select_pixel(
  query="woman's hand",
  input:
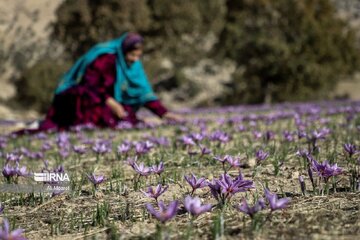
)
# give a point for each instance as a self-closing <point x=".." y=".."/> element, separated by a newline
<point x="173" y="117"/>
<point x="116" y="107"/>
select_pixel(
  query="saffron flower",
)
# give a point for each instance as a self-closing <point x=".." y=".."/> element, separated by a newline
<point x="158" y="169"/>
<point x="350" y="149"/>
<point x="205" y="150"/>
<point x="165" y="213"/>
<point x="220" y="136"/>
<point x="275" y="203"/>
<point x="13" y="157"/>
<point x="96" y="179"/>
<point x="188" y="141"/>
<point x="123" y="148"/>
<point x="6" y="234"/>
<point x="325" y="170"/>
<point x="155" y="193"/>
<point x="194" y="207"/>
<point x="101" y="147"/>
<point x="230" y="186"/>
<point x="195" y="183"/>
<point x="233" y="161"/>
<point x="141" y="169"/>
<point x="80" y="149"/>
<point x="261" y="156"/>
<point x="251" y="211"/>
<point x="225" y="187"/>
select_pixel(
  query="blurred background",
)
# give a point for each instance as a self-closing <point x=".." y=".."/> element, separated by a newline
<point x="197" y="53"/>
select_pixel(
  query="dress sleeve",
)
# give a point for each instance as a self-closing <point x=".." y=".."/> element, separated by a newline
<point x="156" y="107"/>
<point x="100" y="76"/>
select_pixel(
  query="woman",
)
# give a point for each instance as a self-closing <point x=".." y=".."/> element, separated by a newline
<point x="106" y="85"/>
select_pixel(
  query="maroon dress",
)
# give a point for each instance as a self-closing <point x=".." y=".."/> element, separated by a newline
<point x="86" y="102"/>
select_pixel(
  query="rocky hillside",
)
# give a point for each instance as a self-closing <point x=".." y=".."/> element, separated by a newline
<point x="24" y="37"/>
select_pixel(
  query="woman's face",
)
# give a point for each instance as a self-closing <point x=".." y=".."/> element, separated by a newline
<point x="133" y="55"/>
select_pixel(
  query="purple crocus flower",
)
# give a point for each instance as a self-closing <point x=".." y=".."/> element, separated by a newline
<point x="80" y="149"/>
<point x="165" y="213"/>
<point x="288" y="136"/>
<point x="220" y="136"/>
<point x="96" y="179"/>
<point x="123" y="148"/>
<point x="195" y="183"/>
<point x="21" y="171"/>
<point x="222" y="159"/>
<point x="46" y="146"/>
<point x="194" y="207"/>
<point x="155" y="193"/>
<point x="158" y="169"/>
<point x="261" y="156"/>
<point x="325" y="169"/>
<point x="350" y="149"/>
<point x="8" y="171"/>
<point x="13" y="157"/>
<point x="205" y="150"/>
<point x="141" y="169"/>
<point x="188" y="141"/>
<point x="233" y="161"/>
<point x="143" y="147"/>
<point x="62" y="140"/>
<point x="251" y="211"/>
<point x="275" y="203"/>
<point x="198" y="137"/>
<point x="6" y="234"/>
<point x="101" y="147"/>
<point x="231" y="186"/>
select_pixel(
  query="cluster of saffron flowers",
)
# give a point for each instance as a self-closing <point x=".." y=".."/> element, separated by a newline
<point x="192" y="205"/>
<point x="12" y="169"/>
<point x="142" y="170"/>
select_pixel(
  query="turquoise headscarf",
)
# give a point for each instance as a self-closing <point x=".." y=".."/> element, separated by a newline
<point x="131" y="86"/>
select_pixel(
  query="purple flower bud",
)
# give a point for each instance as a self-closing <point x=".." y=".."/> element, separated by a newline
<point x="194" y="207"/>
<point x="302" y="184"/>
<point x="261" y="156"/>
<point x="2" y="207"/>
<point x="350" y="149"/>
